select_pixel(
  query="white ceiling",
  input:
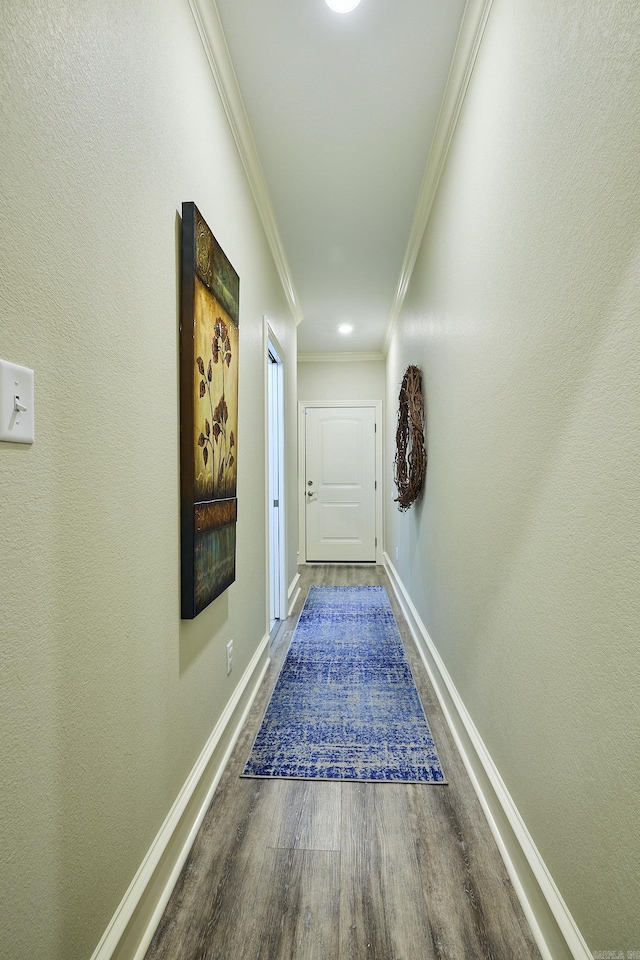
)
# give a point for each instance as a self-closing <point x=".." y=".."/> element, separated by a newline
<point x="342" y="108"/>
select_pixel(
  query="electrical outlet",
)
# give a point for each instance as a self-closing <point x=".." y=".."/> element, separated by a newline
<point x="396" y="554"/>
<point x="229" y="657"/>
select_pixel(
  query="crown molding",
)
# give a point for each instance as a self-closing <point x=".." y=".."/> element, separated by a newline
<point x="472" y="29"/>
<point x="207" y="19"/>
<point x="343" y="357"/>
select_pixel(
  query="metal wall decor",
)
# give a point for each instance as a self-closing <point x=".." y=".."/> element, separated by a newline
<point x="209" y="340"/>
<point x="410" y="464"/>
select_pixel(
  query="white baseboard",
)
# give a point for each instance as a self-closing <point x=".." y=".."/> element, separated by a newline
<point x="132" y="926"/>
<point x="292" y="594"/>
<point x="554" y="929"/>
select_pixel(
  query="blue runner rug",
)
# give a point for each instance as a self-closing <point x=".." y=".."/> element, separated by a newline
<point x="345" y="706"/>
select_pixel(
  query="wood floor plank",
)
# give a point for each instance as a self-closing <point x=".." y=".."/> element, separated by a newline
<point x="460" y="873"/>
<point x="309" y="815"/>
<point x="306" y="907"/>
<point x="220" y="879"/>
<point x="379" y="878"/>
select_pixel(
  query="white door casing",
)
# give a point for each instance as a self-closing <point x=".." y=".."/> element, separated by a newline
<point x="273" y="413"/>
<point x="340" y="483"/>
<point x="274" y="487"/>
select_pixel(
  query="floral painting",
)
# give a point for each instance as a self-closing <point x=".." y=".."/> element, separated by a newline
<point x="209" y="341"/>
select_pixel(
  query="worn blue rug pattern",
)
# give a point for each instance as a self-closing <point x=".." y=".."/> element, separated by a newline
<point x="345" y="706"/>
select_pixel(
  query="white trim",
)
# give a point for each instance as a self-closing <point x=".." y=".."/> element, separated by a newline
<point x="271" y="343"/>
<point x="302" y="532"/>
<point x="205" y="14"/>
<point x="554" y="929"/>
<point x="152" y="866"/>
<point x="293" y="585"/>
<point x="293" y="594"/>
<point x="343" y="357"/>
<point x="293" y="602"/>
<point x="265" y="407"/>
<point x="472" y="30"/>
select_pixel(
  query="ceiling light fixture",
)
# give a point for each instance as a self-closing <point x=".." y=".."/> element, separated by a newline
<point x="345" y="328"/>
<point x="342" y="6"/>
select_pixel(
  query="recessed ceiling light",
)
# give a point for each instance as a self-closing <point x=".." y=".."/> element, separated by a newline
<point x="345" y="328"/>
<point x="342" y="6"/>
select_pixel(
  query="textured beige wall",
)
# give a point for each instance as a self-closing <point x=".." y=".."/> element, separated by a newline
<point x="524" y="556"/>
<point x="344" y="380"/>
<point x="110" y="119"/>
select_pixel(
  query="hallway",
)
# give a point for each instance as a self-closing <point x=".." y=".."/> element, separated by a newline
<point x="514" y="288"/>
<point x="344" y="871"/>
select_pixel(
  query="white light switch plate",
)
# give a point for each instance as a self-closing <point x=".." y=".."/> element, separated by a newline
<point x="16" y="382"/>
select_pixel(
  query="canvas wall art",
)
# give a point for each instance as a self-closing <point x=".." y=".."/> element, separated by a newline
<point x="209" y="341"/>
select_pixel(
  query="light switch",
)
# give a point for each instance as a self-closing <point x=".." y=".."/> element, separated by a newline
<point x="16" y="403"/>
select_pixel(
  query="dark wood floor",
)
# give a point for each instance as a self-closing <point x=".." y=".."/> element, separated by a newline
<point x="293" y="870"/>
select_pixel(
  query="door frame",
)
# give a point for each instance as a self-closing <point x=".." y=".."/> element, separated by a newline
<point x="271" y="345"/>
<point x="302" y="438"/>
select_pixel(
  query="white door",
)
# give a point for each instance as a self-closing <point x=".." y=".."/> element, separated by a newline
<point x="340" y="498"/>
